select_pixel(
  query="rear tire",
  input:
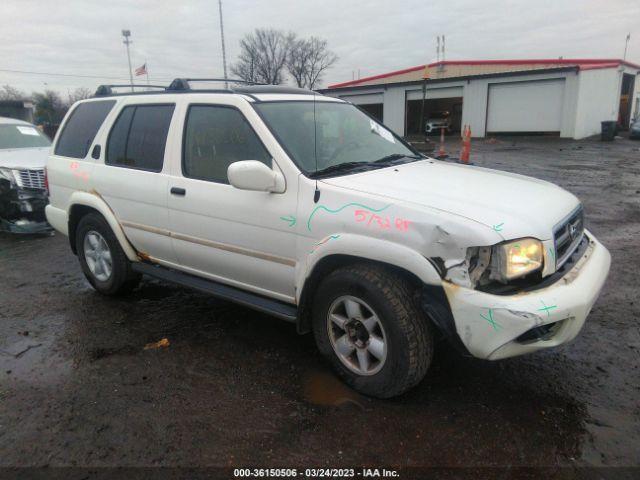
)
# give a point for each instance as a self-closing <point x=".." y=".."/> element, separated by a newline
<point x="102" y="259"/>
<point x="382" y="346"/>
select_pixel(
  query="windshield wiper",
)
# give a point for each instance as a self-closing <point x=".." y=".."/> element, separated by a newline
<point x="356" y="166"/>
<point x="340" y="167"/>
<point x="394" y="157"/>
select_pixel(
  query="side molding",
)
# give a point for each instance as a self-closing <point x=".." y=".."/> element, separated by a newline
<point x="94" y="200"/>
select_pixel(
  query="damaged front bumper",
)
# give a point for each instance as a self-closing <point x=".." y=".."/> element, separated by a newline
<point x="22" y="210"/>
<point x="500" y="326"/>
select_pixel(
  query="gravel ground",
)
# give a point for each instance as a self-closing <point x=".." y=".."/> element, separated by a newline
<point x="237" y="388"/>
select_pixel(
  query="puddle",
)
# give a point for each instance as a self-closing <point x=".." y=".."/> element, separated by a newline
<point x="324" y="389"/>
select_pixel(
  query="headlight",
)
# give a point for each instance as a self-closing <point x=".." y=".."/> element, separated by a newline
<point x="516" y="259"/>
<point x="7" y="175"/>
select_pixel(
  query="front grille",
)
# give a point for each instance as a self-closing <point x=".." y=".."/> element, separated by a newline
<point x="567" y="235"/>
<point x="33" y="179"/>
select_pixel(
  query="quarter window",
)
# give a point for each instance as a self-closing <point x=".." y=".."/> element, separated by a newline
<point x="139" y="136"/>
<point x="215" y="137"/>
<point x="81" y="128"/>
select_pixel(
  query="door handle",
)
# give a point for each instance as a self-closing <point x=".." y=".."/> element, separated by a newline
<point x="178" y="191"/>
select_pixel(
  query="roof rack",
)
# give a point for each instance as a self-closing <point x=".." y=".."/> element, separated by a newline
<point x="107" y="90"/>
<point x="183" y="85"/>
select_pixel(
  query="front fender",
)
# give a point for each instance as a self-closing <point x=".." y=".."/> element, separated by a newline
<point x="94" y="200"/>
<point x="368" y="248"/>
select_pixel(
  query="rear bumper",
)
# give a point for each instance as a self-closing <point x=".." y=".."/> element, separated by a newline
<point x="498" y="326"/>
<point x="58" y="219"/>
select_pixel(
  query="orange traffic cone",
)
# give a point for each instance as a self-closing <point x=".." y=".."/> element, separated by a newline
<point x="441" y="151"/>
<point x="463" y="135"/>
<point x="466" y="144"/>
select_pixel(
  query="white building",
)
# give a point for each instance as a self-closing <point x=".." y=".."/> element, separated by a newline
<point x="565" y="97"/>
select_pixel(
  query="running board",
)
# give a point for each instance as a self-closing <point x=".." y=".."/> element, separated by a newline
<point x="257" y="302"/>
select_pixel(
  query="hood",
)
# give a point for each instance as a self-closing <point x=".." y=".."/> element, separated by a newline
<point x="24" y="158"/>
<point x="513" y="205"/>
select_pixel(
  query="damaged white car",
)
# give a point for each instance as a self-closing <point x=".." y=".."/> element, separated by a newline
<point x="304" y="207"/>
<point x="23" y="154"/>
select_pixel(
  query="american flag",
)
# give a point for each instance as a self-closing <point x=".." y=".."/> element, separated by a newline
<point x="141" y="70"/>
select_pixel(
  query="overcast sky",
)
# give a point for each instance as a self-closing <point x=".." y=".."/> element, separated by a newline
<point x="182" y="38"/>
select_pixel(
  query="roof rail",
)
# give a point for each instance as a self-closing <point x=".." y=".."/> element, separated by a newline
<point x="184" y="84"/>
<point x="107" y="90"/>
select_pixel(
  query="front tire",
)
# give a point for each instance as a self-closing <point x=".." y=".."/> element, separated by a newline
<point x="102" y="259"/>
<point x="367" y="323"/>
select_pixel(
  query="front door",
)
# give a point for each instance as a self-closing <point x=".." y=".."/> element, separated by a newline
<point x="230" y="235"/>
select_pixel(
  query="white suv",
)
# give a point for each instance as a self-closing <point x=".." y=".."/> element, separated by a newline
<point x="302" y="206"/>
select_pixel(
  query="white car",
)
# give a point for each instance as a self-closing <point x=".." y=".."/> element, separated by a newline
<point x="23" y="154"/>
<point x="435" y="125"/>
<point x="304" y="207"/>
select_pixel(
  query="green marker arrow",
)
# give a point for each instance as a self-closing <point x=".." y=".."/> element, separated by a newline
<point x="291" y="219"/>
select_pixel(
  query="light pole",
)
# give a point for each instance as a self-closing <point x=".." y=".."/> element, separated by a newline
<point x="126" y="34"/>
<point x="224" y="53"/>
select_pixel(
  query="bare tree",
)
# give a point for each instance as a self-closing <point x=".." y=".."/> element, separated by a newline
<point x="307" y="60"/>
<point x="7" y="92"/>
<point x="78" y="94"/>
<point x="246" y="67"/>
<point x="298" y="61"/>
<point x="263" y="56"/>
<point x="320" y="59"/>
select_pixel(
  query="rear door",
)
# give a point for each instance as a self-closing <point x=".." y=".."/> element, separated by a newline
<point x="132" y="179"/>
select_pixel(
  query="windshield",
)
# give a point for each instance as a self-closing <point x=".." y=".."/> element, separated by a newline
<point x="22" y="136"/>
<point x="345" y="136"/>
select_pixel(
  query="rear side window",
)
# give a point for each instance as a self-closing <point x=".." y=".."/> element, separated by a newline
<point x="139" y="136"/>
<point x="81" y="128"/>
<point x="214" y="138"/>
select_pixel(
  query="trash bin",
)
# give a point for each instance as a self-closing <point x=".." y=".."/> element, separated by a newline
<point x="608" y="131"/>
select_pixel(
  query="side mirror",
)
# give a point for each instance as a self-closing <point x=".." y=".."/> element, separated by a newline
<point x="256" y="176"/>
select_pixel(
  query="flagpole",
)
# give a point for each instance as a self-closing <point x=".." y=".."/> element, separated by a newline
<point x="146" y="67"/>
<point x="626" y="44"/>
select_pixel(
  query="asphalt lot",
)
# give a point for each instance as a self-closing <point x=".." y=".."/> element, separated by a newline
<point x="237" y="388"/>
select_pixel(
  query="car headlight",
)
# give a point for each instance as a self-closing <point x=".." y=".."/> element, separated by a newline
<point x="7" y="175"/>
<point x="516" y="259"/>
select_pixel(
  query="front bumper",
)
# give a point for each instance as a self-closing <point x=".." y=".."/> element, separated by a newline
<point x="500" y="326"/>
<point x="22" y="211"/>
<point x="436" y="128"/>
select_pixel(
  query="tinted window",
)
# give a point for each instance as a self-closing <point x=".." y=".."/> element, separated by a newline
<point x="138" y="137"/>
<point x="81" y="128"/>
<point x="117" y="143"/>
<point x="215" y="137"/>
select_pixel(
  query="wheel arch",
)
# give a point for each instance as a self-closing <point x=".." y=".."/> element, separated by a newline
<point x="82" y="203"/>
<point x="331" y="262"/>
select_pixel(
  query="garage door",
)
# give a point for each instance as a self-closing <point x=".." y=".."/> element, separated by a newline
<point x="525" y="106"/>
<point x="446" y="92"/>
<point x="364" y="99"/>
